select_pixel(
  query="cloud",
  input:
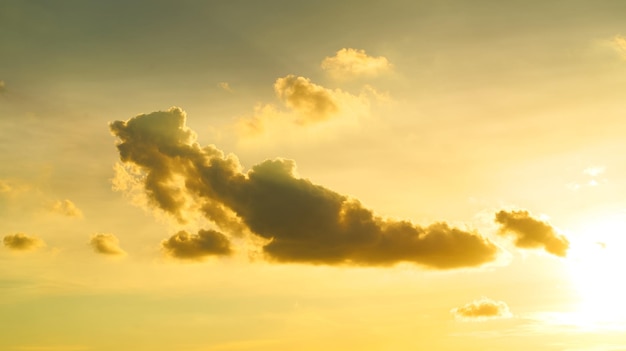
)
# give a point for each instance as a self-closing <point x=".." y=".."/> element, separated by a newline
<point x="531" y="233"/>
<point x="312" y="101"/>
<point x="619" y="44"/>
<point x="306" y="104"/>
<point x="3" y="87"/>
<point x="197" y="246"/>
<point x="106" y="244"/>
<point x="225" y="86"/>
<point x="482" y="309"/>
<point x="22" y="242"/>
<point x="349" y="63"/>
<point x="67" y="208"/>
<point x="5" y="187"/>
<point x="298" y="220"/>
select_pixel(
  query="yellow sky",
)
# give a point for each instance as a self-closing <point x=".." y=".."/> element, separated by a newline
<point x="396" y="175"/>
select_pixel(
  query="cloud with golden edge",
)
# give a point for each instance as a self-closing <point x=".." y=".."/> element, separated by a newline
<point x="482" y="309"/>
<point x="22" y="242"/>
<point x="106" y="244"/>
<point x="350" y="63"/>
<point x="312" y="101"/>
<point x="308" y="104"/>
<point x="299" y="221"/>
<point x="531" y="233"/>
<point x="206" y="243"/>
<point x="66" y="208"/>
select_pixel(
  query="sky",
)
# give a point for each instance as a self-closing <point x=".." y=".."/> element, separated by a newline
<point x="329" y="175"/>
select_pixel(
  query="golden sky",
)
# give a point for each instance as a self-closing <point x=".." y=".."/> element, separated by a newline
<point x="330" y="175"/>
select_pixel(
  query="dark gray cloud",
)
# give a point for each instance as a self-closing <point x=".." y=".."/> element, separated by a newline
<point x="531" y="233"/>
<point x="482" y="309"/>
<point x="22" y="242"/>
<point x="301" y="221"/>
<point x="197" y="246"/>
<point x="106" y="244"/>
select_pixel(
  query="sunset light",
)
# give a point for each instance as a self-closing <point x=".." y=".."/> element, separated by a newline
<point x="285" y="175"/>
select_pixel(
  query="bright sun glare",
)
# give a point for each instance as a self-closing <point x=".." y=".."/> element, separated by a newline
<point x="597" y="261"/>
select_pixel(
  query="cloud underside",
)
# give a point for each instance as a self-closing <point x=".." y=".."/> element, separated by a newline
<point x="531" y="233"/>
<point x="482" y="309"/>
<point x="206" y="243"/>
<point x="299" y="221"/>
<point x="350" y="63"/>
<point x="22" y="242"/>
<point x="106" y="244"/>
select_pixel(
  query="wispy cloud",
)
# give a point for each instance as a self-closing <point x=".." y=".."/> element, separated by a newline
<point x="66" y="208"/>
<point x="619" y="44"/>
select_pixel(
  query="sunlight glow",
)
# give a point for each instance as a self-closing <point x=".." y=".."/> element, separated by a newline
<point x="596" y="261"/>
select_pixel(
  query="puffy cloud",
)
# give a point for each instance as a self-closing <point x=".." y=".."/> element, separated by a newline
<point x="22" y="242"/>
<point x="348" y="63"/>
<point x="482" y="309"/>
<point x="66" y="208"/>
<point x="298" y="220"/>
<point x="305" y="103"/>
<point x="312" y="101"/>
<point x="197" y="246"/>
<point x="106" y="244"/>
<point x="531" y="233"/>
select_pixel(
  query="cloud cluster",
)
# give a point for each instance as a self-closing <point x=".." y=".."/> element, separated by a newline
<point x="197" y="246"/>
<point x="349" y="63"/>
<point x="298" y="220"/>
<point x="531" y="233"/>
<point x="67" y="208"/>
<point x="106" y="244"/>
<point x="482" y="309"/>
<point x="22" y="242"/>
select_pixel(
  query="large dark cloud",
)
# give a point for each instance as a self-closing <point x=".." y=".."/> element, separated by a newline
<point x="531" y="233"/>
<point x="301" y="221"/>
<point x="197" y="246"/>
